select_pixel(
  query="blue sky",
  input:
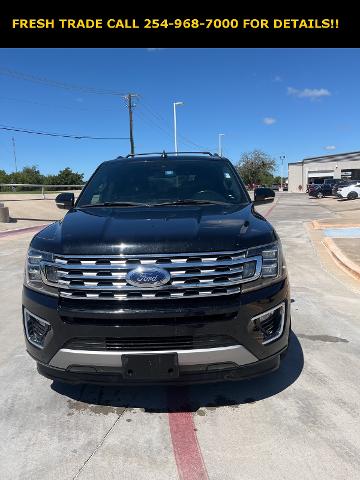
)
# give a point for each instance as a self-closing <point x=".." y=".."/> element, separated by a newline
<point x="292" y="102"/>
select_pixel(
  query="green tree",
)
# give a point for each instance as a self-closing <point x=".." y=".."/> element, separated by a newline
<point x="51" y="180"/>
<point x="68" y="177"/>
<point x="31" y="175"/>
<point x="26" y="175"/>
<point x="256" y="167"/>
<point x="3" y="177"/>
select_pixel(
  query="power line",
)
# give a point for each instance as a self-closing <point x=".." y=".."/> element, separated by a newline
<point x="75" y="137"/>
<point x="54" y="83"/>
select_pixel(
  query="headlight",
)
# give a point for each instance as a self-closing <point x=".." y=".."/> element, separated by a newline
<point x="273" y="265"/>
<point x="40" y="274"/>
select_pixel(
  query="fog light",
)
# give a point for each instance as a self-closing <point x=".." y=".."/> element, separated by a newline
<point x="269" y="326"/>
<point x="36" y="329"/>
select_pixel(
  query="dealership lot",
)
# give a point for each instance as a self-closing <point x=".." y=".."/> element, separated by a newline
<point x="299" y="422"/>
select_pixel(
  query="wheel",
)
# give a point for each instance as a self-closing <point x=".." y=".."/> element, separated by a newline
<point x="319" y="195"/>
<point x="352" y="196"/>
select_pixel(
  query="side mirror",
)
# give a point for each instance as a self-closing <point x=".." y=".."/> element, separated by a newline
<point x="263" y="195"/>
<point x="65" y="200"/>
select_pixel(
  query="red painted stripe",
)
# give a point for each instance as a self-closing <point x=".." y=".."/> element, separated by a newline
<point x="267" y="213"/>
<point x="18" y="231"/>
<point x="189" y="460"/>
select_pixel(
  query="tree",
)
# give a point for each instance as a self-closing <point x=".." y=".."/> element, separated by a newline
<point x="3" y="177"/>
<point x="68" y="177"/>
<point x="256" y="167"/>
<point x="26" y="175"/>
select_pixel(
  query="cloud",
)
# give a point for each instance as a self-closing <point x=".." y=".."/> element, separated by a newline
<point x="312" y="93"/>
<point x="269" y="120"/>
<point x="154" y="49"/>
<point x="330" y="147"/>
<point x="277" y="78"/>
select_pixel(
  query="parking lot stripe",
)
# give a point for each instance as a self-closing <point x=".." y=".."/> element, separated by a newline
<point x="18" y="231"/>
<point x="267" y="213"/>
<point x="189" y="460"/>
<point x="188" y="456"/>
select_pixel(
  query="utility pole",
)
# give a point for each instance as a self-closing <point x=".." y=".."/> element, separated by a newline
<point x="14" y="150"/>
<point x="129" y="101"/>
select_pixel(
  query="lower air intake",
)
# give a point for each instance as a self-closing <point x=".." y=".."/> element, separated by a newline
<point x="36" y="329"/>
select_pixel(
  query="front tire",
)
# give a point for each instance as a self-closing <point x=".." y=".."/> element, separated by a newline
<point x="352" y="196"/>
<point x="319" y="195"/>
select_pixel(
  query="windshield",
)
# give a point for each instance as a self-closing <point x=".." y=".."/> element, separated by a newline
<point x="163" y="181"/>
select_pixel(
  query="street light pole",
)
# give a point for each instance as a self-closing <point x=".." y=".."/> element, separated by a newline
<point x="220" y="146"/>
<point x="282" y="158"/>
<point x="175" y="131"/>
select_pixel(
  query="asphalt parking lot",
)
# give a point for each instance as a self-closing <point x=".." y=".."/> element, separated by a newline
<point x="301" y="422"/>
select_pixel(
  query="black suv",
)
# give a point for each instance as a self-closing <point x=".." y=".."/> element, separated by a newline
<point x="161" y="271"/>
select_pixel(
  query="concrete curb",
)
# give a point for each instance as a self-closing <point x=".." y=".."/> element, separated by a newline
<point x="345" y="263"/>
<point x="18" y="231"/>
<point x="320" y="226"/>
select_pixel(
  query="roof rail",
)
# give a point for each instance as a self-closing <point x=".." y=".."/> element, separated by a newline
<point x="165" y="154"/>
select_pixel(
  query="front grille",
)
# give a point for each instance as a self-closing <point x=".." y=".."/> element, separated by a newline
<point x="150" y="343"/>
<point x="191" y="275"/>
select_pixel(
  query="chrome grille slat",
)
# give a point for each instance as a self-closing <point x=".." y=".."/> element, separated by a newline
<point x="192" y="276"/>
<point x="116" y="276"/>
<point x="146" y="296"/>
<point x="124" y="287"/>
<point x="124" y="266"/>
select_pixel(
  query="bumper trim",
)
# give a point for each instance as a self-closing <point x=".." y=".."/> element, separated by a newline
<point x="237" y="354"/>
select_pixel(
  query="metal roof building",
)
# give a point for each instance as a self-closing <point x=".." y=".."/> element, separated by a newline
<point x="317" y="169"/>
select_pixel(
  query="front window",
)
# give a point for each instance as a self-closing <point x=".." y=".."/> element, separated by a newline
<point x="164" y="181"/>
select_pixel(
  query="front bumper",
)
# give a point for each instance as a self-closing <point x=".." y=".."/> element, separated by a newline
<point x="247" y="356"/>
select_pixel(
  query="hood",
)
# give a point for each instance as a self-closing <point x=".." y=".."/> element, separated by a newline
<point x="148" y="230"/>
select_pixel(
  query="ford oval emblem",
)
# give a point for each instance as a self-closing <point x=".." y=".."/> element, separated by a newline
<point x="148" y="277"/>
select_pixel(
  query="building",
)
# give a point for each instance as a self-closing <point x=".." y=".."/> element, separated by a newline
<point x="317" y="169"/>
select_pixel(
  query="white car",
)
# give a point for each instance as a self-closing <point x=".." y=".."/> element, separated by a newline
<point x="351" y="192"/>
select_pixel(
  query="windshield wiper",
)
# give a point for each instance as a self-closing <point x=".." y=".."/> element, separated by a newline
<point x="190" y="201"/>
<point x="114" y="204"/>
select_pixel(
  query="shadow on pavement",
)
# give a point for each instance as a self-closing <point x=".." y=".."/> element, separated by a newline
<point x="185" y="398"/>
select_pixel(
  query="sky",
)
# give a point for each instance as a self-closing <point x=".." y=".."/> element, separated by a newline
<point x="295" y="103"/>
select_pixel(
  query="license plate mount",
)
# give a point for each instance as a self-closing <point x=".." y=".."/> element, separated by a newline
<point x="150" y="366"/>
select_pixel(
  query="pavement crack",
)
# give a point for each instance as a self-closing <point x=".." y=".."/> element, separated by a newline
<point x="99" y="445"/>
